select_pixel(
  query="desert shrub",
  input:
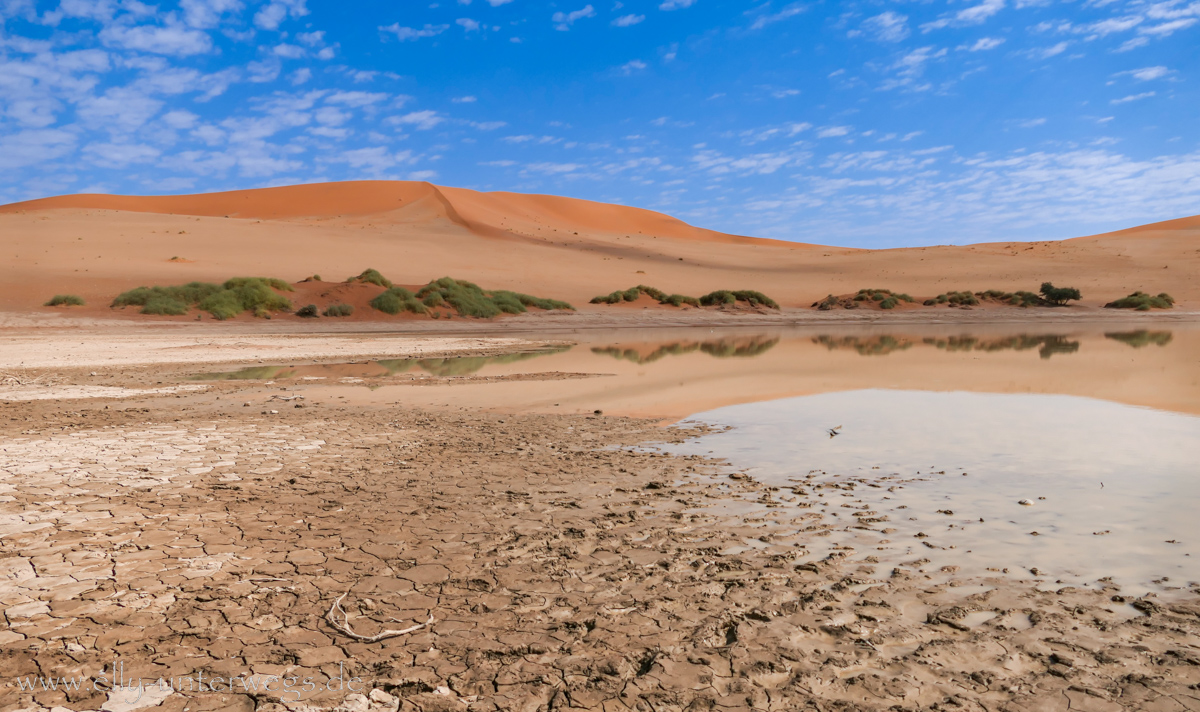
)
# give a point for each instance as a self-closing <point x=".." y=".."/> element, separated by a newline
<point x="338" y="310"/>
<point x="165" y="305"/>
<point x="65" y="300"/>
<point x="827" y="303"/>
<point x="308" y="312"/>
<point x="1017" y="299"/>
<point x="632" y="294"/>
<point x="253" y="294"/>
<point x="1143" y="302"/>
<point x="879" y="295"/>
<point x="223" y="301"/>
<point x="1059" y="296"/>
<point x="678" y="300"/>
<point x="254" y="282"/>
<point x="187" y="294"/>
<point x="889" y="303"/>
<point x="725" y="296"/>
<point x="955" y="298"/>
<point x="372" y="276"/>
<point x="469" y="299"/>
<point x="396" y="300"/>
<point x="433" y="299"/>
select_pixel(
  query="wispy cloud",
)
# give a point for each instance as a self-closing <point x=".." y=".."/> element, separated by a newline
<point x="563" y="20"/>
<point x="1133" y="97"/>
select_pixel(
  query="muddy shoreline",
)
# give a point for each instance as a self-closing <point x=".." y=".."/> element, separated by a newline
<point x="563" y="567"/>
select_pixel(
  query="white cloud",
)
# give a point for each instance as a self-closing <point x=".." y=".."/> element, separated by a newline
<point x="628" y="20"/>
<point x="34" y="146"/>
<point x="770" y="18"/>
<point x="1145" y="74"/>
<point x="887" y="27"/>
<point x="206" y="14"/>
<point x="554" y="168"/>
<point x="467" y="24"/>
<point x="288" y="51"/>
<point x="676" y="4"/>
<point x="974" y="15"/>
<point x="563" y="20"/>
<point x="1133" y="97"/>
<point x="1168" y="28"/>
<point x="119" y="155"/>
<point x="272" y="15"/>
<point x="632" y="66"/>
<point x="833" y="131"/>
<point x="983" y="44"/>
<point x="408" y="33"/>
<point x="422" y="120"/>
<point x="171" y="39"/>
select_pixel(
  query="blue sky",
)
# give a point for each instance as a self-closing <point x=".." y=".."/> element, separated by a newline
<point x="856" y="123"/>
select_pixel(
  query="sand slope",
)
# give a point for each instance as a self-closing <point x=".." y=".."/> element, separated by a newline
<point x="99" y="245"/>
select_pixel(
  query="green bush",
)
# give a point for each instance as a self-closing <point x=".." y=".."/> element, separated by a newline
<point x="827" y="303"/>
<point x="1143" y="302"/>
<point x="468" y="299"/>
<point x="164" y="305"/>
<point x="878" y="295"/>
<point x="955" y="298"/>
<point x="396" y="300"/>
<point x="726" y="296"/>
<point x="632" y="294"/>
<point x="338" y="310"/>
<point x="678" y="300"/>
<point x="372" y="276"/>
<point x="1059" y="296"/>
<point x="308" y="312"/>
<point x="222" y="301"/>
<point x="1017" y="299"/>
<point x="65" y="300"/>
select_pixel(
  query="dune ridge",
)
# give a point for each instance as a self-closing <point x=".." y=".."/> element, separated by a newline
<point x="496" y="214"/>
<point x="97" y="246"/>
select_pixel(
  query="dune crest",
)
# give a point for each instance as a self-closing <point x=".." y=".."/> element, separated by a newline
<point x="403" y="202"/>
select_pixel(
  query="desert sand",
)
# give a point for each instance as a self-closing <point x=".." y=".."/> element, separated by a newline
<point x="500" y="489"/>
<point x="97" y="246"/>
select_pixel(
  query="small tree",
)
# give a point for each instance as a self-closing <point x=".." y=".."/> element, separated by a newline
<point x="1059" y="296"/>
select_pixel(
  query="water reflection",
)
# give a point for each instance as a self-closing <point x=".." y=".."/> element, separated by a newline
<point x="1046" y="344"/>
<point x="1113" y="488"/>
<point x="882" y="345"/>
<point x="460" y="366"/>
<point x="253" y="373"/>
<point x="441" y="367"/>
<point x="1140" y="338"/>
<point x="866" y="345"/>
<point x="721" y="348"/>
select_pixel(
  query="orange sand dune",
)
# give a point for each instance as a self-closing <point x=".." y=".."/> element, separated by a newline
<point x="97" y="246"/>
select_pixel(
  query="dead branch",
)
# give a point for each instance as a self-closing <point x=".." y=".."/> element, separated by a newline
<point x="343" y="626"/>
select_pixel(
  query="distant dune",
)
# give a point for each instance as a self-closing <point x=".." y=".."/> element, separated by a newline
<point x="99" y="245"/>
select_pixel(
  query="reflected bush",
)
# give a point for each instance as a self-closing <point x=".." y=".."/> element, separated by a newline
<point x="1141" y="338"/>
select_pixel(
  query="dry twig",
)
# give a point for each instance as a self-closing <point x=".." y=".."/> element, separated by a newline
<point x="343" y="626"/>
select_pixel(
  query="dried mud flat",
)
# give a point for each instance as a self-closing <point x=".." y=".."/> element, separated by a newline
<point x="563" y="569"/>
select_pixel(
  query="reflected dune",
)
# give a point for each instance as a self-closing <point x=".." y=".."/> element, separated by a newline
<point x="670" y="375"/>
